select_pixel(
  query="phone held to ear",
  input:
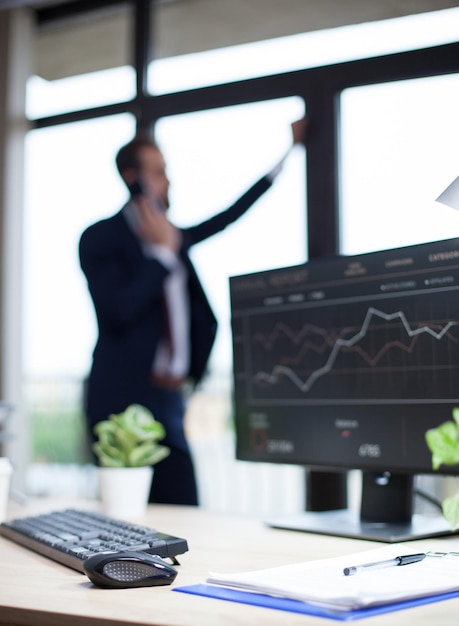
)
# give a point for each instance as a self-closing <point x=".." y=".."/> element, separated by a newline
<point x="135" y="189"/>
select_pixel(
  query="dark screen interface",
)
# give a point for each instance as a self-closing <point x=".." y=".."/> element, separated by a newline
<point x="346" y="362"/>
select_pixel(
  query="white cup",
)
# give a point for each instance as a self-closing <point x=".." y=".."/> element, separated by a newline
<point x="6" y="469"/>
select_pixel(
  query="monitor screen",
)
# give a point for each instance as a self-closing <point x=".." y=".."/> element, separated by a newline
<point x="344" y="363"/>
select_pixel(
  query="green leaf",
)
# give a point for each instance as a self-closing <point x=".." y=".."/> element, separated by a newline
<point x="443" y="443"/>
<point x="451" y="511"/>
<point x="139" y="423"/>
<point x="129" y="439"/>
<point x="148" y="454"/>
<point x="106" y="426"/>
<point x="108" y="457"/>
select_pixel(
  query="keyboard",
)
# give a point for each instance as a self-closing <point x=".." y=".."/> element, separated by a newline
<point x="71" y="536"/>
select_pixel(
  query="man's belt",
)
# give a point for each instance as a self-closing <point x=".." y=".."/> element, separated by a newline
<point x="167" y="382"/>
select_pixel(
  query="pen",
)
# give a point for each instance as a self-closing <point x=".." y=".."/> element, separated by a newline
<point x="398" y="560"/>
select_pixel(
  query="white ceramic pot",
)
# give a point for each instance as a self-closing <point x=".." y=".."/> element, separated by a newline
<point x="124" y="491"/>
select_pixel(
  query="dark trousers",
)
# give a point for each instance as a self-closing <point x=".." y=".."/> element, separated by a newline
<point x="174" y="480"/>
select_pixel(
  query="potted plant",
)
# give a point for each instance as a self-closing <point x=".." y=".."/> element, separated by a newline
<point x="127" y="448"/>
<point x="443" y="442"/>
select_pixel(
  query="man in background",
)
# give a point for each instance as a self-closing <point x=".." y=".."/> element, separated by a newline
<point x="155" y="325"/>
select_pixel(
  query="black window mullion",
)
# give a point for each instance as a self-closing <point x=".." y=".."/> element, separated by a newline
<point x="322" y="107"/>
<point x="142" y="47"/>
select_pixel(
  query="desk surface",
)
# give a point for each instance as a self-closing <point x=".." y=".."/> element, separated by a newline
<point x="36" y="591"/>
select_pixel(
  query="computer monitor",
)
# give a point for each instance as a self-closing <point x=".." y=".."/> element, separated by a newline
<point x="343" y="364"/>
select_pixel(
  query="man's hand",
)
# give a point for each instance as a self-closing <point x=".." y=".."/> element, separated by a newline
<point x="154" y="227"/>
<point x="299" y="130"/>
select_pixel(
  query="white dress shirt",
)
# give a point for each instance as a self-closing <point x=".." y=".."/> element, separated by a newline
<point x="173" y="355"/>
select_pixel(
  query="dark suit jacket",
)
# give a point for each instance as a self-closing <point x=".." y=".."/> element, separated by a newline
<point x="126" y="288"/>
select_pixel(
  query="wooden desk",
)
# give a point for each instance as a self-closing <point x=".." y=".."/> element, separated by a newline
<point x="36" y="591"/>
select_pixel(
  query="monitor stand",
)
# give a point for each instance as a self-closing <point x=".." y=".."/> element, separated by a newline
<point x="385" y="514"/>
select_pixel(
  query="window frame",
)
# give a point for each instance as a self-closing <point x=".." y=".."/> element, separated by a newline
<point x="319" y="87"/>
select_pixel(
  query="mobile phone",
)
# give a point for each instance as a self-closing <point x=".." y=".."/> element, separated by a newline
<point x="135" y="189"/>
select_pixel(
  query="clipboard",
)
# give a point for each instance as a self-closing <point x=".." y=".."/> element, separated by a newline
<point x="295" y="606"/>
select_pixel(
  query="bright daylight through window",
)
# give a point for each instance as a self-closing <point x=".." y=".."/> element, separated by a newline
<point x="398" y="151"/>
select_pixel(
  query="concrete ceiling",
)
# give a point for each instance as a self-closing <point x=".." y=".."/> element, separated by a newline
<point x="102" y="40"/>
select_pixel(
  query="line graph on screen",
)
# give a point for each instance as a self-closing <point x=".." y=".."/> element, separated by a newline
<point x="394" y="347"/>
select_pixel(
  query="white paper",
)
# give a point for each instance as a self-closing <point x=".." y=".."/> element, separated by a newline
<point x="450" y="196"/>
<point x="324" y="583"/>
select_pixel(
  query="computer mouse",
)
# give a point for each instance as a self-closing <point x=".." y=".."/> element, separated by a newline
<point x="120" y="570"/>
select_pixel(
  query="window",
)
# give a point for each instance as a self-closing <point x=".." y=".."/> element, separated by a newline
<point x="212" y="158"/>
<point x="213" y="154"/>
<point x="71" y="182"/>
<point x="399" y="151"/>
